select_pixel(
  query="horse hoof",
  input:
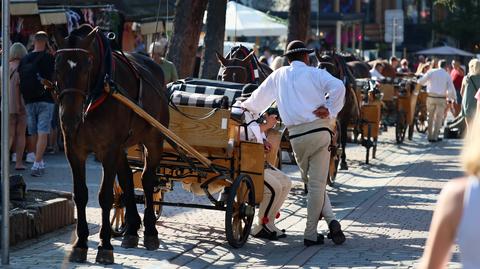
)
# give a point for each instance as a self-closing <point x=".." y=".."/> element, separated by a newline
<point x="151" y="242"/>
<point x="104" y="256"/>
<point x="343" y="166"/>
<point x="130" y="241"/>
<point x="78" y="255"/>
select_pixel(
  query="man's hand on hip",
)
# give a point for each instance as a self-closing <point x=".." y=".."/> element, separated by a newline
<point x="322" y="112"/>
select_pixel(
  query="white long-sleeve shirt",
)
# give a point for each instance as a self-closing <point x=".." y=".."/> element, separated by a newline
<point x="439" y="83"/>
<point x="375" y="74"/>
<point x="298" y="90"/>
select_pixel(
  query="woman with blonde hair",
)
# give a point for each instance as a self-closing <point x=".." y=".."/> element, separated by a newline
<point x="18" y="113"/>
<point x="470" y="86"/>
<point x="457" y="214"/>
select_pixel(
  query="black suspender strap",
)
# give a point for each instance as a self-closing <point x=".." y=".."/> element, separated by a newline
<point x="312" y="131"/>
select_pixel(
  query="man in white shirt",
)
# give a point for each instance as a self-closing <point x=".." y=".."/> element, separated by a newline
<point x="299" y="91"/>
<point x="376" y="71"/>
<point x="439" y="87"/>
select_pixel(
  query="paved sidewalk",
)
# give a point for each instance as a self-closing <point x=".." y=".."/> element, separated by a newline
<point x="385" y="209"/>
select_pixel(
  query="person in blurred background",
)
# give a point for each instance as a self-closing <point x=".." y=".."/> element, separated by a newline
<point x="157" y="52"/>
<point x="457" y="214"/>
<point x="16" y="105"/>
<point x="403" y="68"/>
<point x="457" y="75"/>
<point x="470" y="86"/>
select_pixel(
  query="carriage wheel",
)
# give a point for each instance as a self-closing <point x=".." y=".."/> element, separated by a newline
<point x="400" y="127"/>
<point x="240" y="211"/>
<point x="421" y="123"/>
<point x="117" y="220"/>
<point x="157" y="209"/>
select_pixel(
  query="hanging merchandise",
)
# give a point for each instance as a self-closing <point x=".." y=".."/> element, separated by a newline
<point x="110" y="20"/>
<point x="88" y="16"/>
<point x="73" y="20"/>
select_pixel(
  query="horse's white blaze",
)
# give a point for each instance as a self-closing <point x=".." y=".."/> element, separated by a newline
<point x="72" y="64"/>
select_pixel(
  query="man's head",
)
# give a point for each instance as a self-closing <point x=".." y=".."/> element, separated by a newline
<point x="378" y="66"/>
<point x="394" y="61"/>
<point x="404" y="63"/>
<point x="40" y="40"/>
<point x="442" y="64"/>
<point x="297" y="51"/>
<point x="157" y="49"/>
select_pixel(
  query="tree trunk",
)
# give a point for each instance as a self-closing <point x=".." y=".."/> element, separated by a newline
<point x="299" y="20"/>
<point x="214" y="37"/>
<point x="187" y="26"/>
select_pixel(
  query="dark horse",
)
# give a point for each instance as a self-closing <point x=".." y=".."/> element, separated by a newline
<point x="242" y="66"/>
<point x="83" y="64"/>
<point x="336" y="65"/>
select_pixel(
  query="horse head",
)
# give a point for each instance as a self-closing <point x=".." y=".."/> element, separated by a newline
<point x="77" y="68"/>
<point x="235" y="69"/>
<point x="328" y="60"/>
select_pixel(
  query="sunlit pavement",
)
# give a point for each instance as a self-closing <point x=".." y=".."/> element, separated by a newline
<point x="385" y="209"/>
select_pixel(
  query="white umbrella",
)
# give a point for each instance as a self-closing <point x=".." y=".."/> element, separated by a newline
<point x="244" y="21"/>
<point x="445" y="50"/>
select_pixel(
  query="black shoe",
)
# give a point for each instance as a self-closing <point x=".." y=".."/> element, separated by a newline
<point x="266" y="235"/>
<point x="336" y="233"/>
<point x="283" y="235"/>
<point x="432" y="140"/>
<point x="309" y="243"/>
<point x="439" y="140"/>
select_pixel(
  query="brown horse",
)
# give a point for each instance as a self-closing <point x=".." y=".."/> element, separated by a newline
<point x="242" y="66"/>
<point x="83" y="65"/>
<point x="336" y="66"/>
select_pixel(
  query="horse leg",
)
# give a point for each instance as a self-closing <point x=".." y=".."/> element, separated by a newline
<point x="133" y="221"/>
<point x="105" y="197"/>
<point x="80" y="191"/>
<point x="343" y="139"/>
<point x="153" y="156"/>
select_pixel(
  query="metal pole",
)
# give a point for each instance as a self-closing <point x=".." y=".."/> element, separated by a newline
<point x="338" y="42"/>
<point x="4" y="137"/>
<point x="394" y="36"/>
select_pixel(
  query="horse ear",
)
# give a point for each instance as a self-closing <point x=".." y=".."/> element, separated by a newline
<point x="87" y="41"/>
<point x="248" y="59"/>
<point x="221" y="59"/>
<point x="59" y="34"/>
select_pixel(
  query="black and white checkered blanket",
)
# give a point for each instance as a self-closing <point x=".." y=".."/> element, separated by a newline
<point x="199" y="100"/>
<point x="206" y="88"/>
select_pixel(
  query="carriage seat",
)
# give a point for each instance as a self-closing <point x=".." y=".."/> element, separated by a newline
<point x="199" y="100"/>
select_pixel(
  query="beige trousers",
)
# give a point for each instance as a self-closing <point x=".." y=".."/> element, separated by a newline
<point x="276" y="189"/>
<point x="312" y="155"/>
<point x="436" y="109"/>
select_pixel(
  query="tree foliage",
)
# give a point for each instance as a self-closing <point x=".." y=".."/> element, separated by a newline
<point x="462" y="22"/>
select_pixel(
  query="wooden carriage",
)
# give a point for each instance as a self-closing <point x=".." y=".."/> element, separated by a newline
<point x="369" y="102"/>
<point x="218" y="161"/>
<point x="400" y="99"/>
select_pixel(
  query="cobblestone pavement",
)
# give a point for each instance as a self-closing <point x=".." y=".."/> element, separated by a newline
<point x="385" y="209"/>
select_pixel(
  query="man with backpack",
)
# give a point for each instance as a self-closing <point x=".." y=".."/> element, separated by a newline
<point x="34" y="67"/>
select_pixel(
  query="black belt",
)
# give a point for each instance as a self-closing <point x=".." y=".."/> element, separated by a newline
<point x="443" y="97"/>
<point x="311" y="132"/>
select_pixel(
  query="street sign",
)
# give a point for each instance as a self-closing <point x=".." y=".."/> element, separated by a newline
<point x="394" y="25"/>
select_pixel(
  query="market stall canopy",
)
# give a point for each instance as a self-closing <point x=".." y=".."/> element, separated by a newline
<point x="445" y="50"/>
<point x="23" y="7"/>
<point x="137" y="10"/>
<point x="244" y="21"/>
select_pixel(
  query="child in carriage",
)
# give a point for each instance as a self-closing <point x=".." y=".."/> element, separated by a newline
<point x="277" y="184"/>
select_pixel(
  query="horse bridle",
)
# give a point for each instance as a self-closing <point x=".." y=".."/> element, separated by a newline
<point x="242" y="68"/>
<point x="83" y="94"/>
